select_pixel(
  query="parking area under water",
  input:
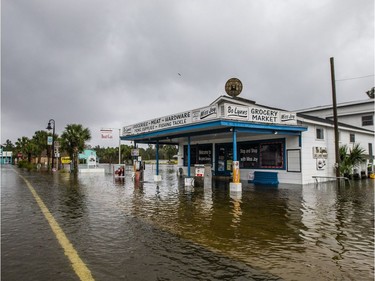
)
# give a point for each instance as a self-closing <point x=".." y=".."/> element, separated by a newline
<point x="148" y="231"/>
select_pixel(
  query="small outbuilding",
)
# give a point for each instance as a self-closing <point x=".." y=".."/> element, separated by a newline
<point x="6" y="157"/>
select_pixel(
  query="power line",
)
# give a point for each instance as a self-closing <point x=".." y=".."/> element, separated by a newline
<point x="352" y="78"/>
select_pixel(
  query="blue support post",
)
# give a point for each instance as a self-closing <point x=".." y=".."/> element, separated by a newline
<point x="157" y="177"/>
<point x="236" y="184"/>
<point x="189" y="181"/>
<point x="234" y="145"/>
<point x="134" y="157"/>
<point x="157" y="157"/>
<point x="188" y="171"/>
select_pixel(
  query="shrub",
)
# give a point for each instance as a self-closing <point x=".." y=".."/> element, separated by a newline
<point x="25" y="165"/>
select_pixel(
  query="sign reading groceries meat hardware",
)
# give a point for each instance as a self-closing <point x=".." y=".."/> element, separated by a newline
<point x="228" y="111"/>
<point x="160" y="123"/>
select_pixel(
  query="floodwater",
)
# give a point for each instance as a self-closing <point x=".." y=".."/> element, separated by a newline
<point x="128" y="231"/>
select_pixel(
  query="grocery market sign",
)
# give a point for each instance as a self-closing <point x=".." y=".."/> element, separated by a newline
<point x="227" y="111"/>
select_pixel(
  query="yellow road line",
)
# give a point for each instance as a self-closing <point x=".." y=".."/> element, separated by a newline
<point x="79" y="266"/>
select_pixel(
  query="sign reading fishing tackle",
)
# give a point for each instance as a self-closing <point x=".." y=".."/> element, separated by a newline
<point x="159" y="123"/>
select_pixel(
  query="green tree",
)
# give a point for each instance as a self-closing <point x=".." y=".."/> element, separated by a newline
<point x="169" y="151"/>
<point x="73" y="141"/>
<point x="40" y="141"/>
<point x="8" y="145"/>
<point x="26" y="147"/>
<point x="142" y="152"/>
<point x="99" y="153"/>
<point x="111" y="155"/>
<point x="150" y="152"/>
<point x="350" y="158"/>
<point x="125" y="153"/>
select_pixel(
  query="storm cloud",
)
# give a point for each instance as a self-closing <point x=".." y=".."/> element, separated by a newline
<point x="113" y="63"/>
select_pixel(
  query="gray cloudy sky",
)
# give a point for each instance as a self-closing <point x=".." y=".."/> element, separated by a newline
<point x="113" y="63"/>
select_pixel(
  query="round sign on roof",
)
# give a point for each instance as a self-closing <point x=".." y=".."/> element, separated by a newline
<point x="233" y="87"/>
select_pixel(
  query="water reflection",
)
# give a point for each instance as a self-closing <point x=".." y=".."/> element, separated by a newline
<point x="339" y="222"/>
<point x="292" y="231"/>
<point x="312" y="232"/>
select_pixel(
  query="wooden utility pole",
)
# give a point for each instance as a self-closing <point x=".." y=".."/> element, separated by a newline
<point x="335" y="117"/>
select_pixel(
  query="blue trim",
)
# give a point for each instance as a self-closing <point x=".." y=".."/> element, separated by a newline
<point x="255" y="127"/>
<point x="260" y="131"/>
<point x="273" y="127"/>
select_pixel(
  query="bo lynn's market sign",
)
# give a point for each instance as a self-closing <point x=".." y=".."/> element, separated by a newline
<point x="227" y="111"/>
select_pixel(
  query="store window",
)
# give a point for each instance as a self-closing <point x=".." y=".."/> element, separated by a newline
<point x="367" y="120"/>
<point x="199" y="154"/>
<point x="262" y="154"/>
<point x="272" y="155"/>
<point x="249" y="155"/>
<point x="319" y="133"/>
<point x="370" y="150"/>
<point x="352" y="138"/>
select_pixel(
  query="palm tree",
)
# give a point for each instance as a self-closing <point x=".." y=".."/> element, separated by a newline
<point x="344" y="166"/>
<point x="357" y="155"/>
<point x="8" y="145"/>
<point x="73" y="141"/>
<point x="350" y="158"/>
<point x="40" y="141"/>
<point x="26" y="147"/>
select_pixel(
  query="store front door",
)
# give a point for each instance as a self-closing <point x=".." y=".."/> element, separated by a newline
<point x="224" y="156"/>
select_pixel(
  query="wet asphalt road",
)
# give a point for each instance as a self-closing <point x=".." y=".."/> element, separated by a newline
<point x="113" y="244"/>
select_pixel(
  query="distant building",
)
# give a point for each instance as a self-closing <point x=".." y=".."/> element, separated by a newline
<point x="87" y="153"/>
<point x="5" y="157"/>
<point x="89" y="156"/>
<point x="356" y="113"/>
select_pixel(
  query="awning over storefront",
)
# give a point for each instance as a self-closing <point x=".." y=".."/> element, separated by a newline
<point x="211" y="128"/>
<point x="221" y="117"/>
<point x="226" y="118"/>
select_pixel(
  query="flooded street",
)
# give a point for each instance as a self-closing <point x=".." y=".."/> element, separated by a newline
<point x="124" y="231"/>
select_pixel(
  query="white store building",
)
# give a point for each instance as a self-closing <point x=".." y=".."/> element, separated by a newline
<point x="276" y="145"/>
